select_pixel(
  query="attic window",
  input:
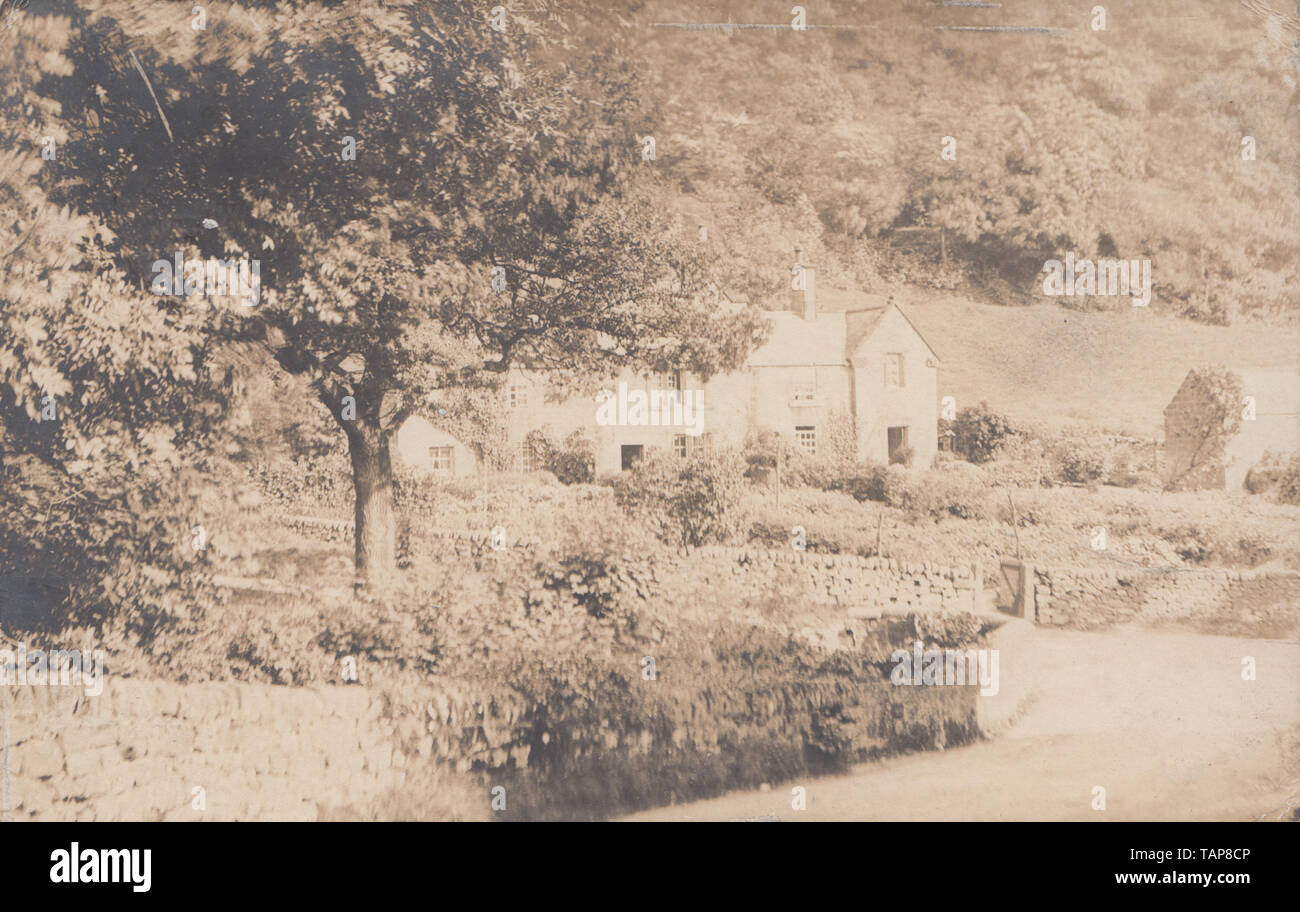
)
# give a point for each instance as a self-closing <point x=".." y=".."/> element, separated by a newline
<point x="894" y="371"/>
<point x="518" y="396"/>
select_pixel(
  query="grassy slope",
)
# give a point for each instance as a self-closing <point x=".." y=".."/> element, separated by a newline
<point x="1116" y="370"/>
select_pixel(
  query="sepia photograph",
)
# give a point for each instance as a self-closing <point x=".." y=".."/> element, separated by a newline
<point x="468" y="411"/>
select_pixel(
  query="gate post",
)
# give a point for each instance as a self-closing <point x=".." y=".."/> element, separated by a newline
<point x="1019" y="574"/>
<point x="1028" y="598"/>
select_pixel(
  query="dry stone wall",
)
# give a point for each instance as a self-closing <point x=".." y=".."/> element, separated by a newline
<point x="863" y="586"/>
<point x="1079" y="597"/>
<point x="140" y="748"/>
<point x="1090" y="598"/>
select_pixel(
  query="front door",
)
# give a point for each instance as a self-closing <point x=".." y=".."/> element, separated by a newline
<point x="631" y="454"/>
<point x="897" y="443"/>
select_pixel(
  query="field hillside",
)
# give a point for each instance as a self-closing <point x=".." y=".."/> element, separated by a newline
<point x="1114" y="369"/>
<point x="1100" y="141"/>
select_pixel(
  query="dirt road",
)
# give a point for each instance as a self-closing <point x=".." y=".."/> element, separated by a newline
<point x="1162" y="721"/>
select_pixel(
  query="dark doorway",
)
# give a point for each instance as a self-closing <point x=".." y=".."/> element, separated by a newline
<point x="897" y="444"/>
<point x="631" y="454"/>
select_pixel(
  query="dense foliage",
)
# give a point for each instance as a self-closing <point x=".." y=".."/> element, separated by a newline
<point x="571" y="460"/>
<point x="1100" y="142"/>
<point x="430" y="200"/>
<point x="979" y="431"/>
<point x="693" y="501"/>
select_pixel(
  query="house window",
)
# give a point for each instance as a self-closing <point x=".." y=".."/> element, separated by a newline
<point x="518" y="396"/>
<point x="442" y="460"/>
<point x="526" y="458"/>
<point x="668" y="380"/>
<point x="685" y="445"/>
<point x="804" y="387"/>
<point x="894" y="371"/>
<point x="806" y="437"/>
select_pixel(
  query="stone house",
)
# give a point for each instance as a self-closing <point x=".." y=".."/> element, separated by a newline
<point x="1270" y="424"/>
<point x="854" y="376"/>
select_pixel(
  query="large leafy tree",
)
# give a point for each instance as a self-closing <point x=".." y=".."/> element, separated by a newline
<point x="106" y="403"/>
<point x="497" y="210"/>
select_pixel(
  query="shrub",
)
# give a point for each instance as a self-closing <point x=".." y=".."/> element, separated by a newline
<point x="759" y="452"/>
<point x="865" y="482"/>
<point x="822" y="471"/>
<point x="733" y="707"/>
<point x="938" y="494"/>
<point x="1203" y="545"/>
<point x="1263" y="479"/>
<point x="595" y="560"/>
<point x="1267" y="474"/>
<point x="1288" y="484"/>
<point x="979" y="430"/>
<point x="691" y="501"/>
<point x="572" y="461"/>
<point x="1081" y="461"/>
<point x="1020" y="461"/>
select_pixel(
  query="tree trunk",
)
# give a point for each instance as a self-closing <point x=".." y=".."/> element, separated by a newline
<point x="376" y="525"/>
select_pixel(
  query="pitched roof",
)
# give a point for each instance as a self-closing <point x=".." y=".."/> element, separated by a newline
<point x="796" y="341"/>
<point x="861" y="324"/>
<point x="864" y="312"/>
<point x="836" y="299"/>
<point x="830" y="339"/>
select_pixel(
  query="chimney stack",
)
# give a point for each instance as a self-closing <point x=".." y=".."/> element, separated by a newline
<point x="803" y="288"/>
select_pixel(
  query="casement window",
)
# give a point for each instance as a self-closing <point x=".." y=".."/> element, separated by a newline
<point x="685" y="445"/>
<point x="894" y="378"/>
<point x="803" y="388"/>
<point x="442" y="460"/>
<point x="667" y="380"/>
<point x="518" y="396"/>
<point x="526" y="458"/>
<point x="806" y="437"/>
